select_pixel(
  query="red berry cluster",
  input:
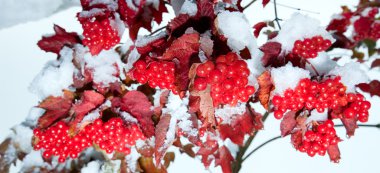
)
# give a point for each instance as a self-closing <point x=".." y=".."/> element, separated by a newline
<point x="228" y="78"/>
<point x="372" y="13"/>
<point x="110" y="136"/>
<point x="318" y="139"/>
<point x="330" y="94"/>
<point x="99" y="35"/>
<point x="156" y="73"/>
<point x="309" y="47"/>
<point x="375" y="31"/>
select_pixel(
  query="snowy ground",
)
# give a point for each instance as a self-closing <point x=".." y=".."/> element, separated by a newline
<point x="21" y="60"/>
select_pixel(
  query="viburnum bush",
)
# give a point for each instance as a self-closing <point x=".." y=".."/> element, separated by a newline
<point x="118" y="105"/>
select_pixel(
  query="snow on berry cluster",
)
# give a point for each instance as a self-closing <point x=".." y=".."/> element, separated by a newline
<point x="309" y="47"/>
<point x="228" y="78"/>
<point x="110" y="136"/>
<point x="157" y="74"/>
<point x="318" y="139"/>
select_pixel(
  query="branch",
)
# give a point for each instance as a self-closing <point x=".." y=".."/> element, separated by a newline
<point x="157" y="30"/>
<point x="276" y="16"/>
<point x="249" y="4"/>
<point x="312" y="66"/>
<point x="236" y="165"/>
<point x="295" y="8"/>
<point x="278" y="137"/>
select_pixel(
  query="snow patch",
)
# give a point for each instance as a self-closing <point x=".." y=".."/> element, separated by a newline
<point x="189" y="7"/>
<point x="132" y="158"/>
<point x="316" y="116"/>
<point x="322" y="64"/>
<point x="351" y="75"/>
<point x="132" y="58"/>
<point x="228" y="112"/>
<point x="22" y="137"/>
<point x="91" y="167"/>
<point x="287" y="77"/>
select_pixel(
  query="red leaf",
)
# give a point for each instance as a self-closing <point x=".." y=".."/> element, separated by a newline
<point x="373" y="88"/>
<point x="296" y="139"/>
<point x="334" y="153"/>
<point x="265" y="87"/>
<point x="138" y="105"/>
<point x="375" y="63"/>
<point x="239" y="127"/>
<point x="206" y="149"/>
<point x="155" y="42"/>
<point x="351" y="125"/>
<point x="89" y="101"/>
<point x="56" y="108"/>
<point x="182" y="49"/>
<point x="178" y="22"/>
<point x="160" y="137"/>
<point x="224" y="160"/>
<point x="265" y="2"/>
<point x="258" y="27"/>
<point x="288" y="123"/>
<point x="271" y="52"/>
<point x="56" y="42"/>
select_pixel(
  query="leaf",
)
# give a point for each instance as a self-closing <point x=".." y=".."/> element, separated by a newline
<point x="358" y="55"/>
<point x="224" y="160"/>
<point x="154" y="43"/>
<point x="271" y="52"/>
<point x="182" y="49"/>
<point x="138" y="105"/>
<point x="258" y="27"/>
<point x="206" y="149"/>
<point x="296" y="139"/>
<point x="265" y="2"/>
<point x="375" y="63"/>
<point x="56" y="108"/>
<point x="89" y="101"/>
<point x="160" y="137"/>
<point x="168" y="158"/>
<point x="55" y="43"/>
<point x="288" y="123"/>
<point x="206" y="45"/>
<point x="265" y="87"/>
<point x="334" y="153"/>
<point x="371" y="46"/>
<point x="373" y="88"/>
<point x="350" y="124"/>
<point x="188" y="149"/>
<point x="147" y="165"/>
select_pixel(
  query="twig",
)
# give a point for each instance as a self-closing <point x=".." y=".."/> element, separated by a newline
<point x="249" y="4"/>
<point x="295" y="8"/>
<point x="276" y="16"/>
<point x="312" y="66"/>
<point x="278" y="137"/>
<point x="236" y="166"/>
<point x="157" y="30"/>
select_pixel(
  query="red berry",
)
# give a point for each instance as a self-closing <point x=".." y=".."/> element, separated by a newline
<point x="200" y="84"/>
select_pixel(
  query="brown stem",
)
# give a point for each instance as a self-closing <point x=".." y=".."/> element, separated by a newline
<point x="236" y="165"/>
<point x="157" y="30"/>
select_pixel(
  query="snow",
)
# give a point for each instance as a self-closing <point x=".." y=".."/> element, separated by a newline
<point x="177" y="4"/>
<point x="287" y="77"/>
<point x="350" y="74"/>
<point x="118" y="24"/>
<point x="316" y="116"/>
<point x="256" y="68"/>
<point x="34" y="160"/>
<point x="34" y="114"/>
<point x="132" y="58"/>
<point x="103" y="66"/>
<point x="55" y="76"/>
<point x="128" y="117"/>
<point x="235" y="27"/>
<point x="91" y="167"/>
<point x="232" y="147"/>
<point x="132" y="158"/>
<point x="365" y="12"/>
<point x="322" y="63"/>
<point x="189" y="7"/>
<point x="22" y="138"/>
<point x="228" y="112"/>
<point x="93" y="12"/>
<point x="157" y="97"/>
<point x="146" y="39"/>
<point x="299" y="27"/>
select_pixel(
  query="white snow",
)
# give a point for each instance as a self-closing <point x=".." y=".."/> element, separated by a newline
<point x="146" y="39"/>
<point x="132" y="58"/>
<point x="299" y="27"/>
<point x="128" y="117"/>
<point x="103" y="66"/>
<point x="55" y="76"/>
<point x="232" y="147"/>
<point x="132" y="158"/>
<point x="316" y="116"/>
<point x="365" y="12"/>
<point x="350" y="74"/>
<point x="235" y="27"/>
<point x="189" y="7"/>
<point x="228" y="112"/>
<point x="287" y="77"/>
<point x="34" y="160"/>
<point x="91" y="167"/>
<point x="22" y="138"/>
<point x="157" y="97"/>
<point x="256" y="68"/>
<point x="34" y="114"/>
<point x="322" y="63"/>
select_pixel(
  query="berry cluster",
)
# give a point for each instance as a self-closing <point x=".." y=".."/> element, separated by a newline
<point x="110" y="136"/>
<point x="330" y="94"/>
<point x="309" y="47"/>
<point x="228" y="78"/>
<point x="318" y="139"/>
<point x="99" y="35"/>
<point x="156" y="73"/>
<point x="372" y="12"/>
<point x="375" y="31"/>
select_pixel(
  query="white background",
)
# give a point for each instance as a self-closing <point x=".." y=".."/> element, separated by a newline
<point x="21" y="60"/>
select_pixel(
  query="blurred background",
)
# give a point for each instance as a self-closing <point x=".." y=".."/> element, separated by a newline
<point x="22" y="23"/>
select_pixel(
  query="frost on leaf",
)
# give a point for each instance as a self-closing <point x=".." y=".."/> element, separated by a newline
<point x="56" y="108"/>
<point x="224" y="159"/>
<point x="138" y="105"/>
<point x="55" y="43"/>
<point x="373" y="88"/>
<point x="162" y="129"/>
<point x="288" y="123"/>
<point x="265" y="88"/>
<point x="334" y="153"/>
<point x="89" y="101"/>
<point x="182" y="49"/>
